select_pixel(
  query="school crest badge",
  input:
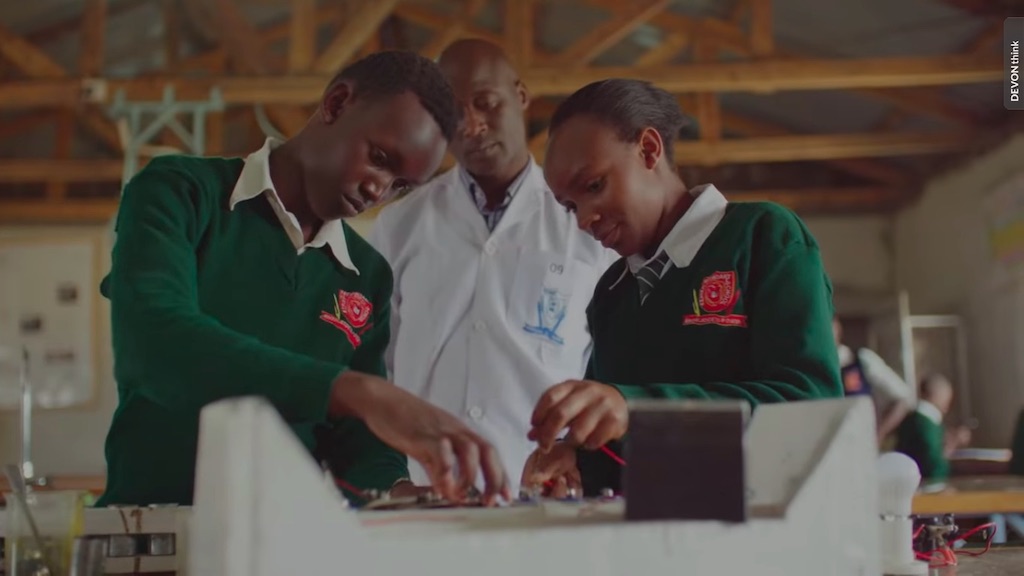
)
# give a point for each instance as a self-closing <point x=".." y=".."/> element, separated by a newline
<point x="351" y="315"/>
<point x="716" y="301"/>
<point x="718" y="292"/>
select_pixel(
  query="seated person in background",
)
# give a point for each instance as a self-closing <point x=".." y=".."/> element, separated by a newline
<point x="864" y="372"/>
<point x="710" y="300"/>
<point x="922" y="436"/>
<point x="235" y="277"/>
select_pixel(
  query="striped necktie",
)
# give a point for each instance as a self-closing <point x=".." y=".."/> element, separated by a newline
<point x="649" y="275"/>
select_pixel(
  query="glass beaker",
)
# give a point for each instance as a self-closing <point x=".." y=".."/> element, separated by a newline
<point x="59" y="517"/>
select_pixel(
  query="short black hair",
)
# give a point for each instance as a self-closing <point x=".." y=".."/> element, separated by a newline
<point x="628" y="106"/>
<point x="393" y="72"/>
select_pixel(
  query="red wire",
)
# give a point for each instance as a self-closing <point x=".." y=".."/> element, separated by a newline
<point x="975" y="530"/>
<point x="613" y="455"/>
<point x="350" y="488"/>
<point x="948" y="556"/>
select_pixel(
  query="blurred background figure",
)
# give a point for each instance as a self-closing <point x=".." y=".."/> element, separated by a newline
<point x="865" y="372"/>
<point x="922" y="435"/>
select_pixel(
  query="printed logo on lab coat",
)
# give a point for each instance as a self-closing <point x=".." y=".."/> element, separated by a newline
<point x="551" y="309"/>
<point x="546" y="285"/>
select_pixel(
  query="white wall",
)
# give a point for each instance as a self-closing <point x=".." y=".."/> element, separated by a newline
<point x="68" y="441"/>
<point x="944" y="262"/>
<point x="856" y="251"/>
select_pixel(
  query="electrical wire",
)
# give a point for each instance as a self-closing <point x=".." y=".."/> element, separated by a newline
<point x="947" y="556"/>
<point x="613" y="455"/>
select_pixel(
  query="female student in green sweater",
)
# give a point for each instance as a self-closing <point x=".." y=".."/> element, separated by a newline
<point x="234" y="277"/>
<point x="711" y="299"/>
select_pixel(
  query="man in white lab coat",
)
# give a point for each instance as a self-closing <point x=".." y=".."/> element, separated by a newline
<point x="492" y="276"/>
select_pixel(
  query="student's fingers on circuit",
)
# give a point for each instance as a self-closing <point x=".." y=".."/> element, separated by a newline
<point x="559" y="417"/>
<point x="550" y="398"/>
<point x="467" y="454"/>
<point x="583" y="425"/>
<point x="441" y="467"/>
<point x="607" y="429"/>
<point x="495" y="479"/>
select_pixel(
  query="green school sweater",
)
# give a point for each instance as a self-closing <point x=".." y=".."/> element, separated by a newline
<point x="750" y="318"/>
<point x="923" y="440"/>
<point x="209" y="303"/>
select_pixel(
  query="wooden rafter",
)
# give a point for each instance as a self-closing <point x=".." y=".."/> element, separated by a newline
<point x="302" y="36"/>
<point x="762" y="36"/>
<point x="35" y="63"/>
<point x="708" y="106"/>
<point x="457" y="28"/>
<point x="247" y="52"/>
<point x="842" y="200"/>
<point x="670" y="46"/>
<point x="819" y="147"/>
<point x="361" y="24"/>
<point x="30" y="170"/>
<point x="25" y="122"/>
<point x="94" y="31"/>
<point x="518" y="30"/>
<point x="733" y="39"/>
<point x="286" y="81"/>
<point x="756" y="149"/>
<point x="817" y="200"/>
<point x="862" y="167"/>
<point x="781" y="74"/>
<point x="621" y="22"/>
<point x="762" y="76"/>
<point x="738" y="9"/>
<point x="172" y="35"/>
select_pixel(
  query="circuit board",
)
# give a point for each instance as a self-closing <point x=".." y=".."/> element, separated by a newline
<point x="431" y="501"/>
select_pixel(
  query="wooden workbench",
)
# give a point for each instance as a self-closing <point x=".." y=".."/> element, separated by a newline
<point x="975" y="495"/>
<point x="92" y="484"/>
<point x="968" y="495"/>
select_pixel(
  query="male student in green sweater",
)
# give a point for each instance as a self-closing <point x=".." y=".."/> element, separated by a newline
<point x="235" y="277"/>
<point x="711" y="299"/>
<point x="922" y="436"/>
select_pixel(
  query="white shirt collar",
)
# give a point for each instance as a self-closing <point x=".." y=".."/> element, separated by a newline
<point x="255" y="181"/>
<point x="929" y="411"/>
<point x="688" y="234"/>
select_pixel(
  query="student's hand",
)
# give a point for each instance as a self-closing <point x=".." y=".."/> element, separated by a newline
<point x="429" y="435"/>
<point x="956" y="439"/>
<point x="555" y="470"/>
<point x="962" y="436"/>
<point x="406" y="489"/>
<point x="595" y="414"/>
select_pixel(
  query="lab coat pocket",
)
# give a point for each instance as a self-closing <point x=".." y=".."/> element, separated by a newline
<point x="545" y="306"/>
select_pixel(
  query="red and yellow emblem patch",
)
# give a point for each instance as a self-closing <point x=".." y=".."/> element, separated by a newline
<point x="716" y="301"/>
<point x="351" y="313"/>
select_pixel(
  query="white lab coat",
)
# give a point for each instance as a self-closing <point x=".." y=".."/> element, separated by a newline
<point x="484" y="322"/>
